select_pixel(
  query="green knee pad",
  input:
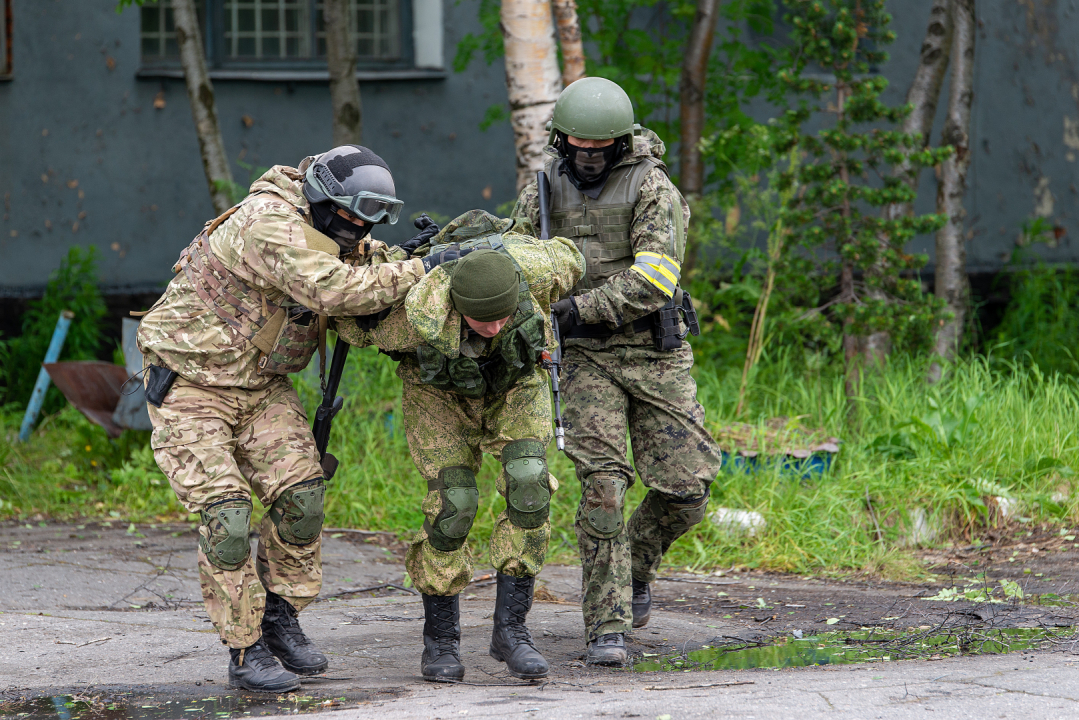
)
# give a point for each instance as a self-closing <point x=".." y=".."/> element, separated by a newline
<point x="606" y="494"/>
<point x="528" y="494"/>
<point x="460" y="501"/>
<point x="229" y="523"/>
<point x="298" y="512"/>
<point x="680" y="515"/>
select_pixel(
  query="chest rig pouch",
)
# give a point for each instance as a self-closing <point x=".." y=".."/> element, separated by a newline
<point x="514" y="357"/>
<point x="599" y="228"/>
<point x="286" y="334"/>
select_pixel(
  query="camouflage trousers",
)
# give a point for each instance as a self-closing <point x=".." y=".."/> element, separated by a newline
<point x="446" y="430"/>
<point x="652" y="397"/>
<point x="219" y="443"/>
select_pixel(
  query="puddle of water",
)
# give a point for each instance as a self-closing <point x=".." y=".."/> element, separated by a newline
<point x="857" y="647"/>
<point x="127" y="707"/>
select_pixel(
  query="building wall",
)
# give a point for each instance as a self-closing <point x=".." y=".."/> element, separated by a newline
<point x="87" y="159"/>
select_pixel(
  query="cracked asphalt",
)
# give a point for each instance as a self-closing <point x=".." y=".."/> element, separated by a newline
<point x="99" y="611"/>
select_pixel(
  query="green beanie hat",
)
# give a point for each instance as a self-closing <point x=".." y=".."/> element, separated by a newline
<point x="485" y="286"/>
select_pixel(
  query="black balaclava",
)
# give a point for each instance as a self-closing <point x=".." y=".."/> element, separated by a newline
<point x="345" y="233"/>
<point x="589" y="168"/>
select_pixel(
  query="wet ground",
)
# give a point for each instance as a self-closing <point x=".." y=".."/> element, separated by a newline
<point x="103" y="620"/>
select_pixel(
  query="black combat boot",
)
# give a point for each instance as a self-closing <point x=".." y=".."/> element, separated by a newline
<point x="255" y="668"/>
<point x="441" y="660"/>
<point x="609" y="649"/>
<point x="283" y="636"/>
<point x="511" y="642"/>
<point x="642" y="603"/>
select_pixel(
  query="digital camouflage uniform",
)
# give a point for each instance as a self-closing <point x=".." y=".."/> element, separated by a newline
<point x="448" y="431"/>
<point x="621" y="385"/>
<point x="232" y="425"/>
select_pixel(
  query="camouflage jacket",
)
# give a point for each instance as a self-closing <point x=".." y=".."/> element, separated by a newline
<point x="627" y="295"/>
<point x="427" y="317"/>
<point x="264" y="245"/>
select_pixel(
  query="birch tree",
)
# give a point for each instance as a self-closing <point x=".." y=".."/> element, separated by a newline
<point x="200" y="94"/>
<point x="533" y="81"/>
<point x="569" y="38"/>
<point x="922" y="97"/>
<point x="694" y="75"/>
<point x="341" y="61"/>
<point x="951" y="279"/>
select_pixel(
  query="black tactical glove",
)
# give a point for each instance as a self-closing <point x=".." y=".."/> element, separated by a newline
<point x="566" y="315"/>
<point x="428" y="229"/>
<point x="453" y="252"/>
<point x="370" y="322"/>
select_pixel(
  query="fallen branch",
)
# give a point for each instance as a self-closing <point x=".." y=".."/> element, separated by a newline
<point x="695" y="687"/>
<point x="353" y="591"/>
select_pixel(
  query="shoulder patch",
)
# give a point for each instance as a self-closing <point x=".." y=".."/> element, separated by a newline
<point x="317" y="241"/>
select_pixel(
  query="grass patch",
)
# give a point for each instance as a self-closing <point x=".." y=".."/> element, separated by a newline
<point x="944" y="451"/>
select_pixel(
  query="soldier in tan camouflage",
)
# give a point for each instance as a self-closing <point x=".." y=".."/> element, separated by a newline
<point x="469" y="337"/>
<point x="627" y="370"/>
<point x="248" y="306"/>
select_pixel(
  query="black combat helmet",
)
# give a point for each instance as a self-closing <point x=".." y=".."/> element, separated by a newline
<point x="352" y="178"/>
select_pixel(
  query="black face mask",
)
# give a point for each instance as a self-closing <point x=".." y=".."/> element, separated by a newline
<point x="343" y="232"/>
<point x="589" y="168"/>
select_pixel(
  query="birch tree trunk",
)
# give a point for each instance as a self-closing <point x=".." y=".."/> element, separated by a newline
<point x="200" y="93"/>
<point x="341" y="60"/>
<point x="923" y="94"/>
<point x="569" y="38"/>
<point x="694" y="74"/>
<point x="952" y="283"/>
<point x="532" y="79"/>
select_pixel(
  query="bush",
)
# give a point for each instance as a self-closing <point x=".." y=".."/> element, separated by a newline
<point x="73" y="286"/>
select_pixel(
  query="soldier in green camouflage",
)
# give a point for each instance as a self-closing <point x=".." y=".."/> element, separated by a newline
<point x="469" y="337"/>
<point x="626" y="369"/>
<point x="248" y="306"/>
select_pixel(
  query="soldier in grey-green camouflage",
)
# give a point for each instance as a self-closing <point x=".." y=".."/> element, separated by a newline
<point x="621" y="385"/>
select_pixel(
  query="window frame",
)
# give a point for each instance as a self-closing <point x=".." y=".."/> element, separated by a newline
<point x="212" y="16"/>
<point x="7" y="71"/>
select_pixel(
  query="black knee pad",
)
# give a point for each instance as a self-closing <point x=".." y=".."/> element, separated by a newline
<point x="298" y="512"/>
<point x="528" y="494"/>
<point x="460" y="502"/>
<point x="229" y="525"/>
<point x="605" y="493"/>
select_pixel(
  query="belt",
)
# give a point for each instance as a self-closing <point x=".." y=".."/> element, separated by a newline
<point x="601" y="331"/>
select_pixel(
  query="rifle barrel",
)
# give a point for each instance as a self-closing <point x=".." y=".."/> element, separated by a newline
<point x="543" y="187"/>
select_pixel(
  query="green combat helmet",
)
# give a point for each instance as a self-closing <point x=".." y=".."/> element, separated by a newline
<point x="593" y="109"/>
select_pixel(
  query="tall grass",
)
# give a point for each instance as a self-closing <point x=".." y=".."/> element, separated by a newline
<point x="947" y="450"/>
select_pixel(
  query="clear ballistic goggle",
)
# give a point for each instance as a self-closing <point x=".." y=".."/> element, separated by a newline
<point x="368" y="206"/>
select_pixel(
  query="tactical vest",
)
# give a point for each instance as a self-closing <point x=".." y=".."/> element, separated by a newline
<point x="516" y="356"/>
<point x="286" y="335"/>
<point x="599" y="228"/>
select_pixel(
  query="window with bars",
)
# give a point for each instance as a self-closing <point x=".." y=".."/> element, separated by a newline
<point x="281" y="32"/>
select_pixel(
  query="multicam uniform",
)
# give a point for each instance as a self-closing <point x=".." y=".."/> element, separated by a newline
<point x="632" y="237"/>
<point x="463" y="397"/>
<point x="241" y="313"/>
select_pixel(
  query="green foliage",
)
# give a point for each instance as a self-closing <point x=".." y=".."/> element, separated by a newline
<point x="73" y="286"/>
<point x="846" y="178"/>
<point x="1041" y="323"/>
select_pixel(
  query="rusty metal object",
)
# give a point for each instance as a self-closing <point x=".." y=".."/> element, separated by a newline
<point x="93" y="387"/>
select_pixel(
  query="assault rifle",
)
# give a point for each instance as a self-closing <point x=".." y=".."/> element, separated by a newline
<point x="551" y="362"/>
<point x="330" y="406"/>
